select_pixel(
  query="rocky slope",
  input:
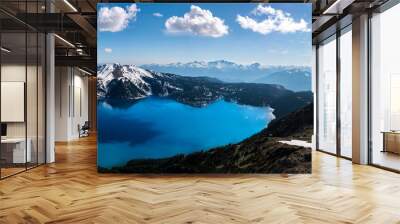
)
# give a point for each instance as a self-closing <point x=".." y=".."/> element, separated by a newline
<point x="296" y="125"/>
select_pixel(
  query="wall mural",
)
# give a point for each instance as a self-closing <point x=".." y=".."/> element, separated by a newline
<point x="204" y="88"/>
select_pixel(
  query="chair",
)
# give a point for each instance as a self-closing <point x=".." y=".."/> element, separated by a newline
<point x="84" y="130"/>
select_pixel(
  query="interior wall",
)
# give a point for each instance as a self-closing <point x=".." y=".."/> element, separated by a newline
<point x="15" y="73"/>
<point x="33" y="126"/>
<point x="61" y="103"/>
<point x="80" y="109"/>
<point x="71" y="102"/>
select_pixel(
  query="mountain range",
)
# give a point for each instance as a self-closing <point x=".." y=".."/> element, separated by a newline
<point x="296" y="78"/>
<point x="130" y="83"/>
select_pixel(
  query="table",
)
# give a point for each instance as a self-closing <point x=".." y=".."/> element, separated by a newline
<point x="391" y="141"/>
<point x="15" y="148"/>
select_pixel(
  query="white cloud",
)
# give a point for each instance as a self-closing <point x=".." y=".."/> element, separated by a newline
<point x="260" y="10"/>
<point x="197" y="21"/>
<point x="157" y="14"/>
<point x="107" y="50"/>
<point x="274" y="51"/>
<point x="276" y="21"/>
<point x="116" y="19"/>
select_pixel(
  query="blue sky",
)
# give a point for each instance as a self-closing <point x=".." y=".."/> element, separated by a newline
<point x="139" y="34"/>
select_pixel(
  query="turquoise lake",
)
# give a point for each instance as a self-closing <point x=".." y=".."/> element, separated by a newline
<point x="160" y="127"/>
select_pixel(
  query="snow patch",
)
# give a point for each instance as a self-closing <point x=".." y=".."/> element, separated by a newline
<point x="297" y="143"/>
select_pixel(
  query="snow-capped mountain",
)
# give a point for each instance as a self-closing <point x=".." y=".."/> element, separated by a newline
<point x="297" y="79"/>
<point x="219" y="64"/>
<point x="232" y="72"/>
<point x="130" y="83"/>
<point x="132" y="74"/>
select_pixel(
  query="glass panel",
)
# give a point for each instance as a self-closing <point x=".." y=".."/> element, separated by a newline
<point x="31" y="100"/>
<point x="385" y="93"/>
<point x="346" y="94"/>
<point x="22" y="88"/>
<point x="32" y="87"/>
<point x="13" y="88"/>
<point x="327" y="96"/>
<point x="41" y="99"/>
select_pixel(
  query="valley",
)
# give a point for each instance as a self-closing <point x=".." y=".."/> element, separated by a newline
<point x="129" y="83"/>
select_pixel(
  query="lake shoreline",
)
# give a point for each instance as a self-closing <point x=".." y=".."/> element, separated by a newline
<point x="186" y="130"/>
<point x="263" y="152"/>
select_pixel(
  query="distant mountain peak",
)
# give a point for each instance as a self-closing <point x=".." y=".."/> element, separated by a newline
<point x="222" y="63"/>
<point x="229" y="71"/>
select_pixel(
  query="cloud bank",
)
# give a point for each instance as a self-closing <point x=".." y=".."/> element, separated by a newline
<point x="116" y="19"/>
<point x="197" y="21"/>
<point x="276" y="21"/>
<point x="157" y="14"/>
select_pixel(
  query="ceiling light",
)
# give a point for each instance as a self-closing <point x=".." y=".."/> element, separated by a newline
<point x="331" y="8"/>
<point x="84" y="71"/>
<point x="79" y="51"/>
<point x="5" y="50"/>
<point x="64" y="40"/>
<point x="70" y="5"/>
<point x="337" y="7"/>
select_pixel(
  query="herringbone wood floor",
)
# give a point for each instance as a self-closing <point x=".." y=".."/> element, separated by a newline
<point x="71" y="191"/>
